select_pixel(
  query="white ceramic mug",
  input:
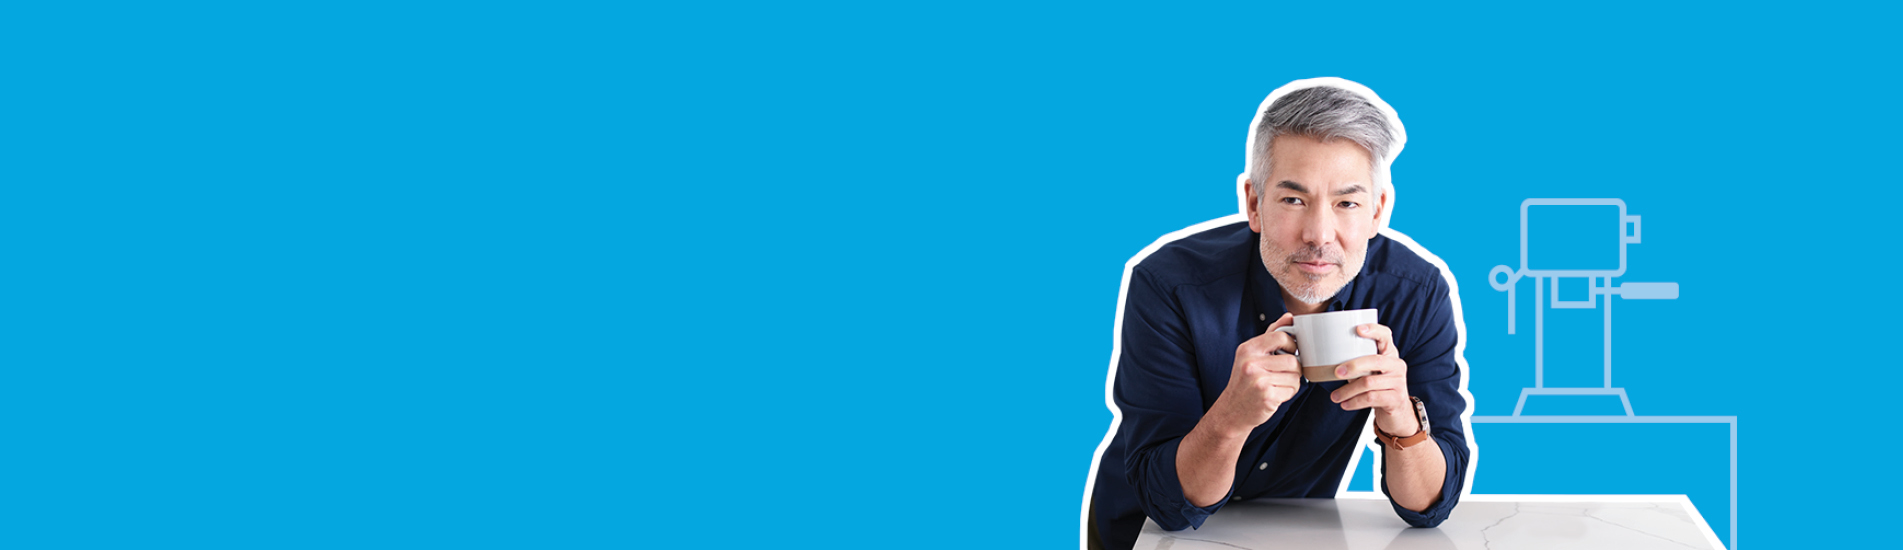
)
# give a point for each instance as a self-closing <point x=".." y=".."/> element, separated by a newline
<point x="1326" y="340"/>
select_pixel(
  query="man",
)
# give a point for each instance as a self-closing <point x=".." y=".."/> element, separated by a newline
<point x="1212" y="408"/>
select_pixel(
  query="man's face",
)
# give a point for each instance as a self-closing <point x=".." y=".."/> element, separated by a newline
<point x="1316" y="214"/>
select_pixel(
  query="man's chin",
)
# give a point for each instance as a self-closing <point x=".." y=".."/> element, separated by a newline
<point x="1304" y="281"/>
<point x="1310" y="293"/>
<point x="1312" y="299"/>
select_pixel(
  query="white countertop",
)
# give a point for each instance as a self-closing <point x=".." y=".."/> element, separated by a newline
<point x="1481" y="522"/>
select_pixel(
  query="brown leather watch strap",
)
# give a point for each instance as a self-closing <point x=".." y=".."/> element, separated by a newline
<point x="1398" y="443"/>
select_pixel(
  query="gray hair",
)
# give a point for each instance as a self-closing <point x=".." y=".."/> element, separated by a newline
<point x="1324" y="113"/>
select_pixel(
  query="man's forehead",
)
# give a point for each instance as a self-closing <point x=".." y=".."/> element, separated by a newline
<point x="1311" y="162"/>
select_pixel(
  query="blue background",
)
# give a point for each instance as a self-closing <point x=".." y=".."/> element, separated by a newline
<point x="740" y="275"/>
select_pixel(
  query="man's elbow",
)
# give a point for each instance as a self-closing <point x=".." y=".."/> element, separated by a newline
<point x="1424" y="521"/>
<point x="1420" y="507"/>
<point x="1430" y="515"/>
<point x="1170" y="518"/>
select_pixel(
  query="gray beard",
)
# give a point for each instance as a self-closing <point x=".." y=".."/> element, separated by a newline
<point x="1308" y="290"/>
<point x="1310" y="293"/>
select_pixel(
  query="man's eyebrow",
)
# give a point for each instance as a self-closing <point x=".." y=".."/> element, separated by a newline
<point x="1349" y="190"/>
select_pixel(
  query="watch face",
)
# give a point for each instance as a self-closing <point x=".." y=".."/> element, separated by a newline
<point x="1420" y="410"/>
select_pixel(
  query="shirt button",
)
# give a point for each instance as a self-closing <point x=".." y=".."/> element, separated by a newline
<point x="1261" y="316"/>
<point x="1264" y="466"/>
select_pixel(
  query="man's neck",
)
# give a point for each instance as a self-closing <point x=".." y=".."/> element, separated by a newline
<point x="1300" y="308"/>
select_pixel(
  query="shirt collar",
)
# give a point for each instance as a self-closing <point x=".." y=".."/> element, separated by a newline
<point x="1268" y="293"/>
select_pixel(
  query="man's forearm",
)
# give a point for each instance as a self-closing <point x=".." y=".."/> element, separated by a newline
<point x="1415" y="474"/>
<point x="1206" y="460"/>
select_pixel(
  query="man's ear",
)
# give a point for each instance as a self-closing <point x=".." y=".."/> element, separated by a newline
<point x="1381" y="207"/>
<point x="1249" y="202"/>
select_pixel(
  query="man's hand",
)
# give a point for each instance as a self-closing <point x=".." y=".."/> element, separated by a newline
<point x="1382" y="384"/>
<point x="1260" y="381"/>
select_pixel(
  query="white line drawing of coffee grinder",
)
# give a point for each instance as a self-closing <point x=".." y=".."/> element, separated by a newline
<point x="1596" y="221"/>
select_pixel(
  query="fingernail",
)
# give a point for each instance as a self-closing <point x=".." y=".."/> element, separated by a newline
<point x="1341" y="371"/>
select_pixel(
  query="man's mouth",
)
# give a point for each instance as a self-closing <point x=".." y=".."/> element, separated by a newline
<point x="1315" y="267"/>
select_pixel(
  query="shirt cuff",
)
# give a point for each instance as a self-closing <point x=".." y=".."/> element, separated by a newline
<point x="1170" y="508"/>
<point x="1449" y="490"/>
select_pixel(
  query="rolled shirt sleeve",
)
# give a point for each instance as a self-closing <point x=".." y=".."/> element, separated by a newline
<point x="1434" y="373"/>
<point x="1157" y="391"/>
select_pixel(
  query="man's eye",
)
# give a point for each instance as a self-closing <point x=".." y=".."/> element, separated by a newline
<point x="1349" y="204"/>
<point x="1291" y="201"/>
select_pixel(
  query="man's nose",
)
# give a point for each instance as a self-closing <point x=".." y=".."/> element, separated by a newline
<point x="1318" y="226"/>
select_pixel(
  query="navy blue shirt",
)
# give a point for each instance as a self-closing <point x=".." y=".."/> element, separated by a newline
<point x="1186" y="308"/>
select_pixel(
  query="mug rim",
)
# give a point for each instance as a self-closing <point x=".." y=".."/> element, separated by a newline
<point x="1345" y="311"/>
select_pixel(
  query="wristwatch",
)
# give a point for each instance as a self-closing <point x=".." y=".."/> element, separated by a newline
<point x="1398" y="443"/>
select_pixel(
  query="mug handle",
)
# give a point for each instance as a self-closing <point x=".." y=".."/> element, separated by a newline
<point x="1290" y="330"/>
